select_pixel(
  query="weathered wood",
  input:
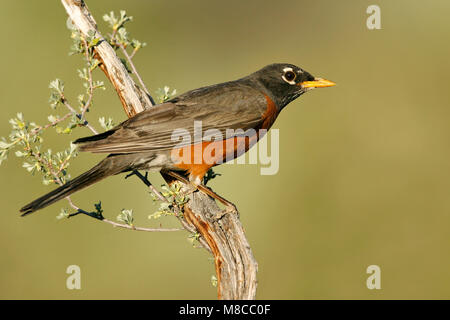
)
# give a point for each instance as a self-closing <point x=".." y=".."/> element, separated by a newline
<point x="133" y="98"/>
<point x="235" y="265"/>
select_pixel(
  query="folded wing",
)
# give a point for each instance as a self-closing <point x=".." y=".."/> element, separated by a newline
<point x="152" y="129"/>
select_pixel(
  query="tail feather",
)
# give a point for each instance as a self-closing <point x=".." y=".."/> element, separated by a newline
<point x="108" y="166"/>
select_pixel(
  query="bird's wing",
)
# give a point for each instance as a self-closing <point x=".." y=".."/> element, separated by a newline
<point x="153" y="129"/>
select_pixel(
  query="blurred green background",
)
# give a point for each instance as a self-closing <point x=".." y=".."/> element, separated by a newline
<point x="364" y="167"/>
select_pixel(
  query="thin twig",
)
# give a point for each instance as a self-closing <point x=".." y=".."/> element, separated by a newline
<point x="51" y="124"/>
<point x="121" y="225"/>
<point x="90" y="82"/>
<point x="115" y="224"/>
<point x="133" y="68"/>
<point x="79" y="116"/>
<point x="145" y="180"/>
<point x="36" y="130"/>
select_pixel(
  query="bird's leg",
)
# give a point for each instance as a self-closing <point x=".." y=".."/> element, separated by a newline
<point x="172" y="176"/>
<point x="230" y="207"/>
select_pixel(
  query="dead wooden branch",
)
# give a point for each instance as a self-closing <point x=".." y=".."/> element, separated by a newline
<point x="235" y="265"/>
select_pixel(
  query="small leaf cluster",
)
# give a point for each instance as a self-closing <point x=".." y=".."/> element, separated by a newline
<point x="195" y="236"/>
<point x="117" y="22"/>
<point x="214" y="281"/>
<point x="120" y="36"/>
<point x="23" y="133"/>
<point x="27" y="136"/>
<point x="164" y="94"/>
<point x="53" y="166"/>
<point x="106" y="124"/>
<point x="175" y="199"/>
<point x="64" y="214"/>
<point x="57" y="93"/>
<point x="80" y="42"/>
<point x="126" y="216"/>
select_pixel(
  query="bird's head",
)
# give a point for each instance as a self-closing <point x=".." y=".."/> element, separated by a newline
<point x="286" y="82"/>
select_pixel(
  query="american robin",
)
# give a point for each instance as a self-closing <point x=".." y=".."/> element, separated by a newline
<point x="146" y="141"/>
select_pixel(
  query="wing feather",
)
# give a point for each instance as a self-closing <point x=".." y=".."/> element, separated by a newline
<point x="152" y="129"/>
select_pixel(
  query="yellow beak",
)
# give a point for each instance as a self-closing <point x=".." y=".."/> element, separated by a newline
<point x="317" y="83"/>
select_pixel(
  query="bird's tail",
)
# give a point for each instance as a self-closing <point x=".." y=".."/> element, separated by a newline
<point x="106" y="167"/>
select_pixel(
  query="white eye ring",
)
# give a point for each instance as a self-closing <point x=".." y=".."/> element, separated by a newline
<point x="289" y="71"/>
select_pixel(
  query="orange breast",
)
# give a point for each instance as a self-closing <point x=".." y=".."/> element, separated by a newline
<point x="270" y="115"/>
<point x="197" y="159"/>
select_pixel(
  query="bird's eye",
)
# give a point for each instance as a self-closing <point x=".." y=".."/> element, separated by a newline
<point x="289" y="76"/>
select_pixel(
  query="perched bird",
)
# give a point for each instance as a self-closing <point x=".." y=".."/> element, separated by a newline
<point x="146" y="141"/>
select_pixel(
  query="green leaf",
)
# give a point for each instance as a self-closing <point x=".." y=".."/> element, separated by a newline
<point x="3" y="155"/>
<point x="20" y="154"/>
<point x="83" y="74"/>
<point x="57" y="85"/>
<point x="106" y="124"/>
<point x="4" y="144"/>
<point x="64" y="214"/>
<point x="28" y="166"/>
<point x="136" y="44"/>
<point x="54" y="100"/>
<point x="214" y="281"/>
<point x="164" y="206"/>
<point x="94" y="42"/>
<point x="164" y="94"/>
<point x="117" y="22"/>
<point x="155" y="215"/>
<point x="52" y="118"/>
<point x="73" y="147"/>
<point x="126" y="216"/>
